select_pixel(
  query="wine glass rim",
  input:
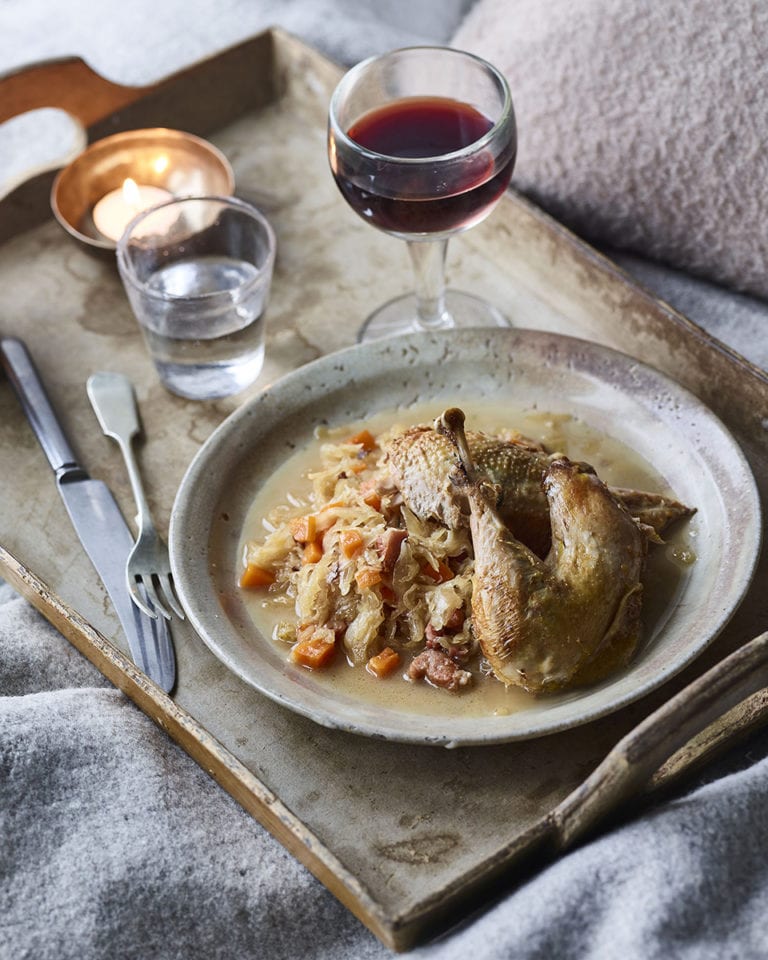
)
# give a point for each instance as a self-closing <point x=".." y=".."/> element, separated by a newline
<point x="352" y="74"/>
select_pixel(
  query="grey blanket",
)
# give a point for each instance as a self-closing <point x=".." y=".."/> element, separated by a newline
<point x="114" y="844"/>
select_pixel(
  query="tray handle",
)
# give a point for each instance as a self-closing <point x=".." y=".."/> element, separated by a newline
<point x="67" y="84"/>
<point x="630" y="765"/>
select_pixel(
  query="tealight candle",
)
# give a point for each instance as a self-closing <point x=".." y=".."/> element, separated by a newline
<point x="115" y="210"/>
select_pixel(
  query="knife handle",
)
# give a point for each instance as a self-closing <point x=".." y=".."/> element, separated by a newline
<point x="36" y="405"/>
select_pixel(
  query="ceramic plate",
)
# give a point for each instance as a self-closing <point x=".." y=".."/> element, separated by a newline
<point x="669" y="427"/>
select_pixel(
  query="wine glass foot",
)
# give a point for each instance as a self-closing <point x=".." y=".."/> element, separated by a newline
<point x="398" y="316"/>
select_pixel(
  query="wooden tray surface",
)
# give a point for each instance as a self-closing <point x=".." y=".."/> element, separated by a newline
<point x="409" y="838"/>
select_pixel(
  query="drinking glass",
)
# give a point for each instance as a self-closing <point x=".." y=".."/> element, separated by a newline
<point x="421" y="143"/>
<point x="197" y="272"/>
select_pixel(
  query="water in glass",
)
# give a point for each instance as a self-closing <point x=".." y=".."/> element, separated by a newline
<point x="216" y="348"/>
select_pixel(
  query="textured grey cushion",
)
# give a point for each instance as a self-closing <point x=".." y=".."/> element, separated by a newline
<point x="642" y="125"/>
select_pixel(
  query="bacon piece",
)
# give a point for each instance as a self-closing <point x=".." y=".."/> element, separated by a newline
<point x="453" y="624"/>
<point x="456" y="620"/>
<point x="438" y="668"/>
<point x="389" y="545"/>
<point x="457" y="653"/>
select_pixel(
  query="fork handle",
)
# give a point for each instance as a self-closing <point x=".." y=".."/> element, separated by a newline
<point x="114" y="403"/>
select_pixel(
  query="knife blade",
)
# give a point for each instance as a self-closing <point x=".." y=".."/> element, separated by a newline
<point x="95" y="516"/>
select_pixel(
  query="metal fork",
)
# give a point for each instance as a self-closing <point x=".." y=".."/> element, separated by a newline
<point x="114" y="403"/>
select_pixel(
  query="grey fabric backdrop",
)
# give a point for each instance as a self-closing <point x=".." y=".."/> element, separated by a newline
<point x="113" y="844"/>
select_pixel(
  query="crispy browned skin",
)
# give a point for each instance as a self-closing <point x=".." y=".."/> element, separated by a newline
<point x="421" y="460"/>
<point x="545" y="625"/>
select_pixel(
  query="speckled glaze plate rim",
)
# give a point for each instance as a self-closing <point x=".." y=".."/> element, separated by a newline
<point x="663" y="421"/>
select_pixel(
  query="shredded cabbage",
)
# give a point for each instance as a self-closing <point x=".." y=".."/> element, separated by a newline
<point x="405" y="580"/>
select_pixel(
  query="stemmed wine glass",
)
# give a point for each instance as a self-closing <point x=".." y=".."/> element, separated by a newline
<point x="422" y="142"/>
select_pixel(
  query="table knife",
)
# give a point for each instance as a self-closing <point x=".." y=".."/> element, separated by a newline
<point x="95" y="516"/>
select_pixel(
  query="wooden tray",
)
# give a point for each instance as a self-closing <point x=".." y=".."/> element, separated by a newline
<point x="409" y="838"/>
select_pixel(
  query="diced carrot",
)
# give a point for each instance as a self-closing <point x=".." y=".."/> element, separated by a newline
<point x="365" y="439"/>
<point x="255" y="576"/>
<point x="313" y="551"/>
<point x="304" y="529"/>
<point x="382" y="664"/>
<point x="316" y="650"/>
<point x="368" y="577"/>
<point x="373" y="499"/>
<point x="442" y="574"/>
<point x="359" y="467"/>
<point x="351" y="543"/>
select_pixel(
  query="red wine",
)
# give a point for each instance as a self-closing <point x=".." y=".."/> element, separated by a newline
<point x="413" y="198"/>
<point x="420" y="127"/>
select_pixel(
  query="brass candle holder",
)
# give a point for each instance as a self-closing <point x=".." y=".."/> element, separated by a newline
<point x="156" y="160"/>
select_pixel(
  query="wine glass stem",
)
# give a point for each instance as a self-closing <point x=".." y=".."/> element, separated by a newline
<point x="428" y="258"/>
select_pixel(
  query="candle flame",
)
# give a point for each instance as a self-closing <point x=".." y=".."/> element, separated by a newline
<point x="131" y="193"/>
<point x="160" y="163"/>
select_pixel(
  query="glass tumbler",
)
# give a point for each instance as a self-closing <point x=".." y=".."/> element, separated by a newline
<point x="197" y="272"/>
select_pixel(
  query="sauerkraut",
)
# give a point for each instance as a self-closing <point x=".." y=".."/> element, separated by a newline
<point x="364" y="575"/>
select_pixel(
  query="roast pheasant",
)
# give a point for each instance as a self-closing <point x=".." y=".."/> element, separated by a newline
<point x="572" y="617"/>
<point x="420" y="462"/>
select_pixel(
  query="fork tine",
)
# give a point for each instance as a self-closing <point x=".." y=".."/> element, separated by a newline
<point x="139" y="600"/>
<point x="154" y="599"/>
<point x="169" y="593"/>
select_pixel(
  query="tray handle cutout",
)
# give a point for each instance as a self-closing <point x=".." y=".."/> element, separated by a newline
<point x="627" y="771"/>
<point x="200" y="98"/>
<point x="50" y="107"/>
<point x="67" y="84"/>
